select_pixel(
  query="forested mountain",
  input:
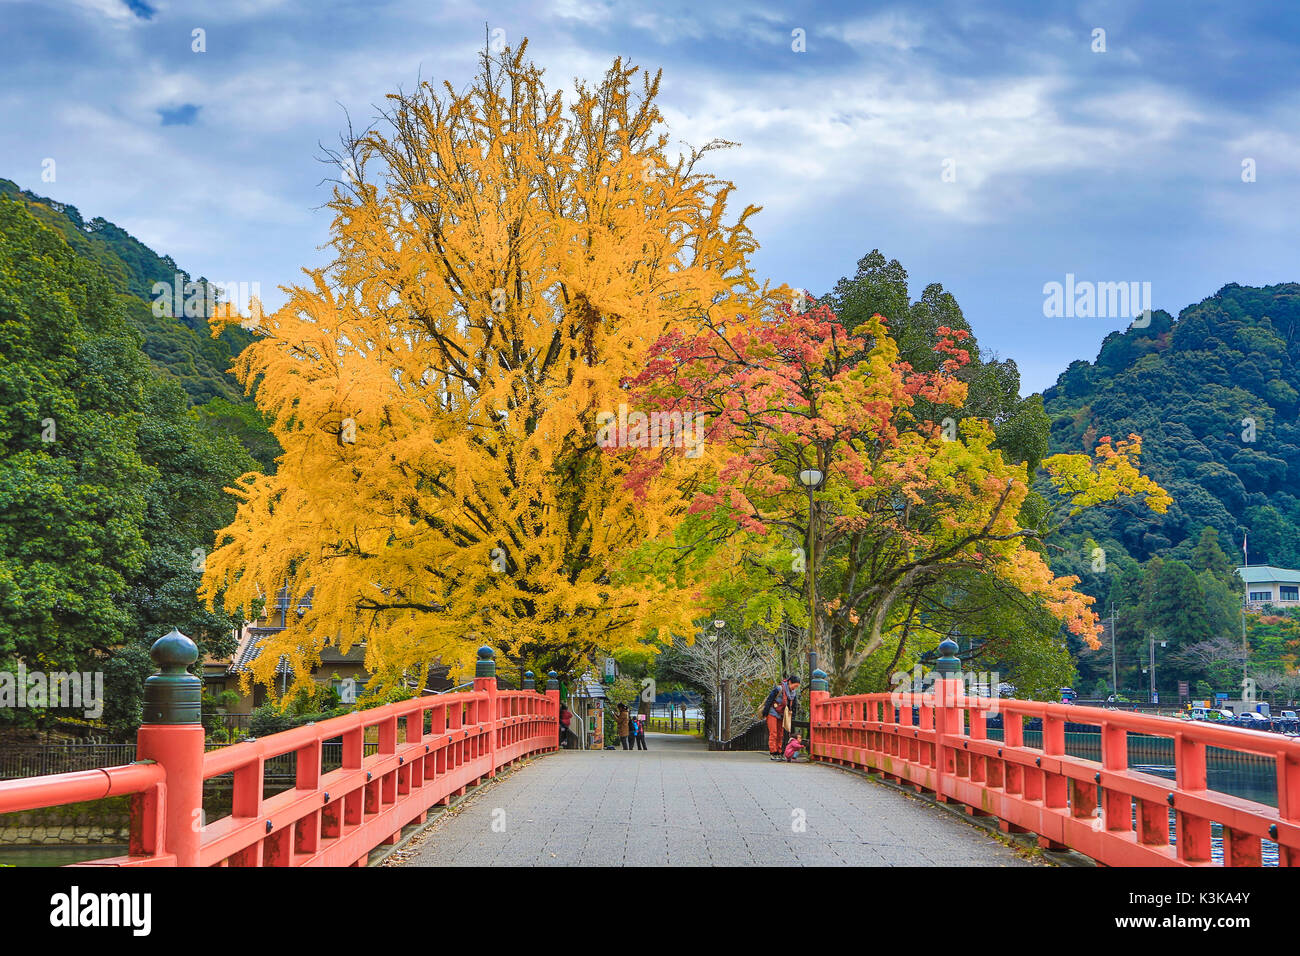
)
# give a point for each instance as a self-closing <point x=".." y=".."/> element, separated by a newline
<point x="181" y="347"/>
<point x="1214" y="395"/>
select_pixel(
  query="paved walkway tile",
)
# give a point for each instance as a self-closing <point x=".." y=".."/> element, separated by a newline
<point x="677" y="804"/>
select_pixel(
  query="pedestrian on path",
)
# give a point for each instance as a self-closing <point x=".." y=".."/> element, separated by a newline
<point x="623" y="729"/>
<point x="779" y="710"/>
<point x="565" y="717"/>
<point x="638" y="727"/>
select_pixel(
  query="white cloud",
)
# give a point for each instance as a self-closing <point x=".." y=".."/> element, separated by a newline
<point x="843" y="146"/>
<point x="116" y="11"/>
<point x="890" y="28"/>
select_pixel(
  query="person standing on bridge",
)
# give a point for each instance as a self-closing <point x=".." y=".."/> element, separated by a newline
<point x="565" y="717"/>
<point x="638" y="731"/>
<point x="623" y="718"/>
<point x="779" y="710"/>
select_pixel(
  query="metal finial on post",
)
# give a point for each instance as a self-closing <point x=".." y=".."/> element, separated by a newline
<point x="487" y="665"/>
<point x="819" y="681"/>
<point x="552" y="681"/>
<point x="530" y="681"/>
<point x="948" y="665"/>
<point x="173" y="695"/>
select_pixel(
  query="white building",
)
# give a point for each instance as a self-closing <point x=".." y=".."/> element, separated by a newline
<point x="1266" y="584"/>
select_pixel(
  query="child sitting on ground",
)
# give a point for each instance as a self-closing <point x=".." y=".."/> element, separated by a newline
<point x="792" y="748"/>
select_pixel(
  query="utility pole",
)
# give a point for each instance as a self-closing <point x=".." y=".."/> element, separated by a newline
<point x="1245" y="597"/>
<point x="1114" y="680"/>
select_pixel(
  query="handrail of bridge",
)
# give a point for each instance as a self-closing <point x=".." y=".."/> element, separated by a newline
<point x="429" y="750"/>
<point x="144" y="782"/>
<point x="1115" y="814"/>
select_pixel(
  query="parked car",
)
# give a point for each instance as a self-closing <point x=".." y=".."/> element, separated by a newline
<point x="1287" y="722"/>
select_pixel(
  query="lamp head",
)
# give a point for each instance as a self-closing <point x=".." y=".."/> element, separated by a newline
<point x="811" y="477"/>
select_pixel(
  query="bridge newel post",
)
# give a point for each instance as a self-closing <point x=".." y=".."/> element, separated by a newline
<point x="530" y="681"/>
<point x="949" y="722"/>
<point x="172" y="736"/>
<point x="553" y="695"/>
<point x="485" y="679"/>
<point x="818" y="692"/>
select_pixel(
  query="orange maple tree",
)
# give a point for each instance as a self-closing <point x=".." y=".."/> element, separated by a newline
<point x="908" y="504"/>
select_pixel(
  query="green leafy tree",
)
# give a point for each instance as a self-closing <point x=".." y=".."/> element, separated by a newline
<point x="71" y="506"/>
<point x="1209" y="556"/>
<point x="125" y="672"/>
<point x="111" y="486"/>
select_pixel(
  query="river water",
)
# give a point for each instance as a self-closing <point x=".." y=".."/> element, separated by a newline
<point x="56" y="855"/>
<point x="1248" y="776"/>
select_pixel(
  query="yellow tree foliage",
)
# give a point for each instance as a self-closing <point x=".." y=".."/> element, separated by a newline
<point x="1114" y="473"/>
<point x="502" y="264"/>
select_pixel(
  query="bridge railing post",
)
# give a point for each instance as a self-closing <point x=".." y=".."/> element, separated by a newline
<point x="818" y="692"/>
<point x="949" y="722"/>
<point x="172" y="736"/>
<point x="485" y="680"/>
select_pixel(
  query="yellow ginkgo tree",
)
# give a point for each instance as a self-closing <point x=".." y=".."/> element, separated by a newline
<point x="502" y="261"/>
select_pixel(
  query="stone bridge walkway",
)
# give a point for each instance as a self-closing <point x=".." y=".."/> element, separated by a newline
<point x="677" y="804"/>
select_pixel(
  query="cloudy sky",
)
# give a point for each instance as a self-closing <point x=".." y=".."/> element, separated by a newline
<point x="991" y="151"/>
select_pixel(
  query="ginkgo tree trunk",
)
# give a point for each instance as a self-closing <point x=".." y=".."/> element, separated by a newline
<point x="502" y="262"/>
<point x="910" y="508"/>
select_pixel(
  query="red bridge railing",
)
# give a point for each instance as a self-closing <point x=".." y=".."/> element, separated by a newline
<point x="1105" y="809"/>
<point x="430" y="749"/>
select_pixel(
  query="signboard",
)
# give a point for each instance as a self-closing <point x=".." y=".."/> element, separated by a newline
<point x="1155" y="697"/>
<point x="609" y="670"/>
<point x="1219" y="697"/>
<point x="1183" y="689"/>
<point x="596" y="714"/>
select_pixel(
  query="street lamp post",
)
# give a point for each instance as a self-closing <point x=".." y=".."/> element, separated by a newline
<point x="716" y="639"/>
<point x="812" y="478"/>
<point x="1152" y="667"/>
